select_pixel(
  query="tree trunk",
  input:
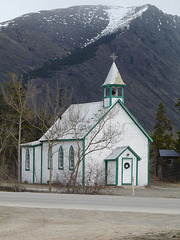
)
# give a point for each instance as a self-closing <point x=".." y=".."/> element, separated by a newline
<point x="75" y="176"/>
<point x="19" y="154"/>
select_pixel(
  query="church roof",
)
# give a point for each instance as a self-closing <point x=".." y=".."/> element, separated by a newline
<point x="76" y="121"/>
<point x="114" y="77"/>
<point x="79" y="119"/>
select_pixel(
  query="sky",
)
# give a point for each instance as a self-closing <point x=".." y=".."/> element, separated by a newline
<point x="10" y="9"/>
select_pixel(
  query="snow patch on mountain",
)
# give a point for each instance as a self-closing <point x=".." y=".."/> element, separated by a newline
<point x="5" y="24"/>
<point x="119" y="18"/>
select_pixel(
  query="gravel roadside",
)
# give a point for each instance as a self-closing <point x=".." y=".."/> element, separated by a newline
<point x="157" y="189"/>
<point x="46" y="224"/>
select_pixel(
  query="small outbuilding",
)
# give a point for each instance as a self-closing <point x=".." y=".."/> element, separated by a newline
<point x="170" y="164"/>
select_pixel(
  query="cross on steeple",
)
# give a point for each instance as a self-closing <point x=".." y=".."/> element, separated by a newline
<point x="113" y="56"/>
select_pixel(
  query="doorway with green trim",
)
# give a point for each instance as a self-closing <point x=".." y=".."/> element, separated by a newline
<point x="127" y="171"/>
<point x="121" y="167"/>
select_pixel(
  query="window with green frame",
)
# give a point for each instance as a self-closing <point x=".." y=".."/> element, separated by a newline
<point x="71" y="158"/>
<point x="27" y="163"/>
<point x="49" y="159"/>
<point x="61" y="158"/>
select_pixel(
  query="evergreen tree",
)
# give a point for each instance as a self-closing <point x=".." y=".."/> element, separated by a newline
<point x="163" y="135"/>
<point x="178" y="133"/>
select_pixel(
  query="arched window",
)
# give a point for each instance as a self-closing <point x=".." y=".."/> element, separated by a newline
<point x="49" y="159"/>
<point x="71" y="158"/>
<point x="27" y="164"/>
<point x="61" y="158"/>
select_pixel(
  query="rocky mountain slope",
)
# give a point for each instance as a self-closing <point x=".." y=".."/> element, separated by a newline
<point x="74" y="45"/>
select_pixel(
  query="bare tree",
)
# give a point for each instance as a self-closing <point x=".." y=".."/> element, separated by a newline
<point x="75" y="124"/>
<point x="72" y="123"/>
<point x="18" y="98"/>
<point x="54" y="104"/>
<point x="101" y="135"/>
<point x="7" y="135"/>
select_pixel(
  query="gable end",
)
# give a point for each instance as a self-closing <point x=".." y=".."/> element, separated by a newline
<point x="129" y="114"/>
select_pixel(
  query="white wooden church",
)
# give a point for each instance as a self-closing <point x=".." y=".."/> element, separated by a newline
<point x="107" y="140"/>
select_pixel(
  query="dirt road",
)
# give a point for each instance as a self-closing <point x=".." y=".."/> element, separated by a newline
<point x="46" y="224"/>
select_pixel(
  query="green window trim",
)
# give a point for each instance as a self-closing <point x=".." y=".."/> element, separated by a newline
<point x="27" y="160"/>
<point x="71" y="158"/>
<point x="61" y="158"/>
<point x="111" y="87"/>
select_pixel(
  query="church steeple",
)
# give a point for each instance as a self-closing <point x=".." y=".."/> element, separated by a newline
<point x="113" y="87"/>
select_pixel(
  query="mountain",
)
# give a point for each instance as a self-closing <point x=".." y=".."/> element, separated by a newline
<point x="73" y="45"/>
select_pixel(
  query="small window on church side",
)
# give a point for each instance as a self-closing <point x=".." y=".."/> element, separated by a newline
<point x="27" y="160"/>
<point x="61" y="158"/>
<point x="71" y="158"/>
<point x="107" y="92"/>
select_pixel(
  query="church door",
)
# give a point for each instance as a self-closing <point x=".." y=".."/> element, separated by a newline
<point x="127" y="171"/>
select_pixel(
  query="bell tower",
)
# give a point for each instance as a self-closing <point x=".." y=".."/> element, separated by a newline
<point x="113" y="87"/>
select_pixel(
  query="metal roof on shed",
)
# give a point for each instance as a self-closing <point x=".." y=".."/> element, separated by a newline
<point x="168" y="153"/>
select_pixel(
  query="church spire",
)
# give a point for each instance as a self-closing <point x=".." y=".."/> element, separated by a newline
<point x="113" y="85"/>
